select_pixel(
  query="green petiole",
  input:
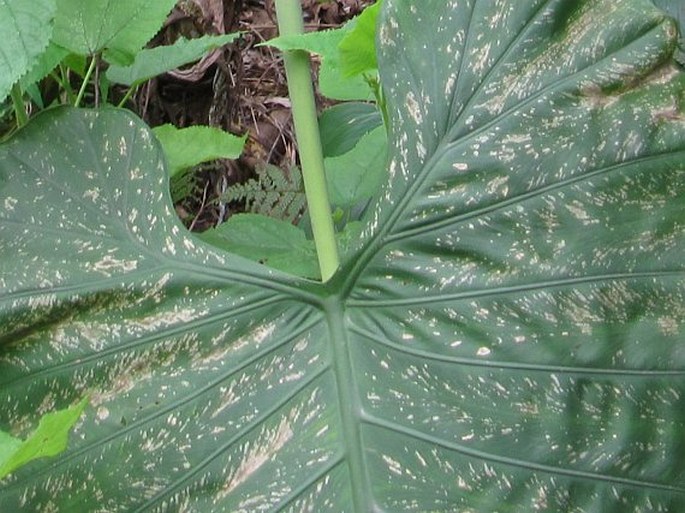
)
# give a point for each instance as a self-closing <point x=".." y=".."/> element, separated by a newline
<point x="17" y="96"/>
<point x="86" y="79"/>
<point x="298" y="73"/>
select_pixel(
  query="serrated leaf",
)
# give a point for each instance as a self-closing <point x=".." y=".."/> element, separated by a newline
<point x="507" y="336"/>
<point x="273" y="192"/>
<point x="27" y="26"/>
<point x="188" y="147"/>
<point x="151" y="62"/>
<point x="332" y="81"/>
<point x="45" y="63"/>
<point x="49" y="439"/>
<point x="358" y="47"/>
<point x="121" y="26"/>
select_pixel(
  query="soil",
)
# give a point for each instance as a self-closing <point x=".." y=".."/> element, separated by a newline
<point x="240" y="88"/>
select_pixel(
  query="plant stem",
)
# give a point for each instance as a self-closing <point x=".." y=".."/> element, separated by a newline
<point x="86" y="78"/>
<point x="18" y="104"/>
<point x="298" y="73"/>
<point x="128" y="94"/>
<point x="65" y="83"/>
<point x="375" y="86"/>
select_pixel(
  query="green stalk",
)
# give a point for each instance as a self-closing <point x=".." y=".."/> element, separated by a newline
<point x="86" y="78"/>
<point x="65" y="84"/>
<point x="128" y="94"/>
<point x="298" y="73"/>
<point x="375" y="86"/>
<point x="18" y="104"/>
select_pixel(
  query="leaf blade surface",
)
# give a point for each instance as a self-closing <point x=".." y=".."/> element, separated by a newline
<point x="125" y="26"/>
<point x="507" y="335"/>
<point x="31" y="25"/>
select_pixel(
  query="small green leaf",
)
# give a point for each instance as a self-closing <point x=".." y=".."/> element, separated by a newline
<point x="358" y="47"/>
<point x="187" y="147"/>
<point x="357" y="175"/>
<point x="342" y="126"/>
<point x="270" y="241"/>
<point x="77" y="63"/>
<point x="332" y="82"/>
<point x="8" y="446"/>
<point x="49" y="439"/>
<point x="155" y="61"/>
<point x="26" y="26"/>
<point x="122" y="26"/>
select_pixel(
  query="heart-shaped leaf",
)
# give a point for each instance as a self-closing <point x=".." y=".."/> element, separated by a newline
<point x="508" y="335"/>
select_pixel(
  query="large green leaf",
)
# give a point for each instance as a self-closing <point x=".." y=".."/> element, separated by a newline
<point x="121" y="26"/>
<point x="508" y="336"/>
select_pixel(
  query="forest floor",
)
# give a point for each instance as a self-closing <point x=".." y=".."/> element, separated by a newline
<point x="240" y="88"/>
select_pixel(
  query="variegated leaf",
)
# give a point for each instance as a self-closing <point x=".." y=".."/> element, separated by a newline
<point x="508" y="336"/>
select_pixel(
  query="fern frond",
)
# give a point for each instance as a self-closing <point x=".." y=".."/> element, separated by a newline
<point x="274" y="193"/>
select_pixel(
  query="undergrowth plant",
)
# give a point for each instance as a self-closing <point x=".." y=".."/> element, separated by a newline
<point x="55" y="40"/>
<point x="273" y="193"/>
<point x="504" y="332"/>
<point x="352" y="161"/>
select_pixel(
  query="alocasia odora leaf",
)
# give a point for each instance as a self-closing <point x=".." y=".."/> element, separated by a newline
<point x="676" y="8"/>
<point x="507" y="337"/>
